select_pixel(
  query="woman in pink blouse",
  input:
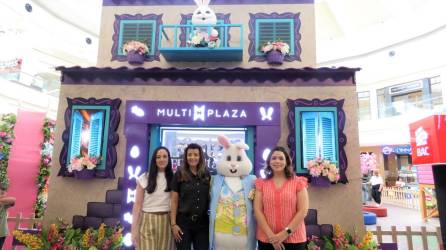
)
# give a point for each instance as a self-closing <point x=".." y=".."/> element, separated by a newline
<point x="280" y="205"/>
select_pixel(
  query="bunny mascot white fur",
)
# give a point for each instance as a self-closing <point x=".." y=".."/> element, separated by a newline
<point x="232" y="223"/>
<point x="204" y="15"/>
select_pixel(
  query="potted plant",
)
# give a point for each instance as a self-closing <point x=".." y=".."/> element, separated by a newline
<point x="343" y="240"/>
<point x="322" y="172"/>
<point x="136" y="51"/>
<point x="275" y="52"/>
<point x="83" y="166"/>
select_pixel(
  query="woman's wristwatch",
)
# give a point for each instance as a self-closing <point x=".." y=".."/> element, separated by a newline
<point x="288" y="230"/>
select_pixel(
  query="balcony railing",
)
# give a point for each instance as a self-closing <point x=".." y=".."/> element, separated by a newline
<point x="174" y="43"/>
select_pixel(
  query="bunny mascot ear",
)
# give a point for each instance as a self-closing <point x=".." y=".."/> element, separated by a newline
<point x="241" y="145"/>
<point x="206" y="2"/>
<point x="198" y="2"/>
<point x="224" y="141"/>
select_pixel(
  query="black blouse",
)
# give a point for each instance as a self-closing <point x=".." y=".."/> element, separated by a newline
<point x="193" y="195"/>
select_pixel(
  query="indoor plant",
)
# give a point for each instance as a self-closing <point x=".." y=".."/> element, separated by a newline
<point x="61" y="236"/>
<point x="322" y="172"/>
<point x="275" y="51"/>
<point x="136" y="51"/>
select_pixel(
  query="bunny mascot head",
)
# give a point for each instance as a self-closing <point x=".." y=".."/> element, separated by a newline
<point x="204" y="14"/>
<point x="232" y="224"/>
<point x="204" y="36"/>
<point x="234" y="161"/>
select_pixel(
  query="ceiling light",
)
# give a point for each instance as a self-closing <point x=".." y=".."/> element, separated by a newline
<point x="28" y="7"/>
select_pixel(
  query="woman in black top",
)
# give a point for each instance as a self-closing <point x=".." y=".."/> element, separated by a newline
<point x="190" y="201"/>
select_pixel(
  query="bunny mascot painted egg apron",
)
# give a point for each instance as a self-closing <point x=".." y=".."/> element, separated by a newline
<point x="232" y="223"/>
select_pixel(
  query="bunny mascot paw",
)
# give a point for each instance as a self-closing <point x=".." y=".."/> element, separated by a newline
<point x="204" y="36"/>
<point x="232" y="223"/>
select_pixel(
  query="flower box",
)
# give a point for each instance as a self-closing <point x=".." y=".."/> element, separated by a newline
<point x="275" y="52"/>
<point x="321" y="181"/>
<point x="274" y="57"/>
<point x="84" y="174"/>
<point x="134" y="57"/>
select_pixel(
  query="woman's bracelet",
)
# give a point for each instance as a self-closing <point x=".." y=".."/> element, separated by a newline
<point x="173" y="225"/>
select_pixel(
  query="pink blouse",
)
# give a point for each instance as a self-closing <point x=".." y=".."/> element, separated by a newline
<point x="280" y="206"/>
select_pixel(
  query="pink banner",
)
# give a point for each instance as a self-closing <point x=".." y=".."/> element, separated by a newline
<point x="23" y="165"/>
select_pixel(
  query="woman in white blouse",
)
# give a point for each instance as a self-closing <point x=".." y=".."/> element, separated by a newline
<point x="151" y="218"/>
<point x="377" y="186"/>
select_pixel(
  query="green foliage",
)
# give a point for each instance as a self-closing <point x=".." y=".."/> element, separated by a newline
<point x="44" y="167"/>
<point x="7" y="123"/>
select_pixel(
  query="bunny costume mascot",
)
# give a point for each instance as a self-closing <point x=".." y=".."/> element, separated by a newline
<point x="232" y="223"/>
<point x="204" y="15"/>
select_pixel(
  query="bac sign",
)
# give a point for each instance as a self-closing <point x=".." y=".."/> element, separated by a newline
<point x="427" y="138"/>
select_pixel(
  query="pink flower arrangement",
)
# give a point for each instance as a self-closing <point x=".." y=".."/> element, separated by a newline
<point x="368" y="162"/>
<point x="320" y="167"/>
<point x="78" y="163"/>
<point x="282" y="47"/>
<point x="140" y="47"/>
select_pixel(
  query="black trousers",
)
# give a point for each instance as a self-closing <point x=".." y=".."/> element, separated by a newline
<point x="195" y="233"/>
<point x="2" y="241"/>
<point x="376" y="194"/>
<point x="288" y="246"/>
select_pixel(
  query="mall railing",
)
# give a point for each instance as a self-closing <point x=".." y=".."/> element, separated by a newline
<point x="401" y="197"/>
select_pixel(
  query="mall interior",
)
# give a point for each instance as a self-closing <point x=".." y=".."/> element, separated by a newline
<point x="369" y="74"/>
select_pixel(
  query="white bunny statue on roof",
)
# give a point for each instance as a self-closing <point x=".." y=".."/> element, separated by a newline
<point x="232" y="224"/>
<point x="204" y="36"/>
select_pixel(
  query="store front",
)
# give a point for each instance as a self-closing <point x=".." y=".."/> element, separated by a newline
<point x="398" y="165"/>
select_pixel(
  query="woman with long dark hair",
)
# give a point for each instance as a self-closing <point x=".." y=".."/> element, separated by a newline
<point x="280" y="205"/>
<point x="151" y="223"/>
<point x="190" y="201"/>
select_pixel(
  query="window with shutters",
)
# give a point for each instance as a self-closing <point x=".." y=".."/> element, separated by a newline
<point x="318" y="136"/>
<point x="139" y="30"/>
<point x="316" y="130"/>
<point x="272" y="30"/>
<point x="144" y="28"/>
<point x="87" y="132"/>
<point x="270" y="27"/>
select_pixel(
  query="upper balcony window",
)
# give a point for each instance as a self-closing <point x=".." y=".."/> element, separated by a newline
<point x="411" y="97"/>
<point x="198" y="43"/>
<point x="187" y="19"/>
<point x="137" y="27"/>
<point x="272" y="28"/>
<point x="139" y="30"/>
<point x="364" y="105"/>
<point x="269" y="30"/>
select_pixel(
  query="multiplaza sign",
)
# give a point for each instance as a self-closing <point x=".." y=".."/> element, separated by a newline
<point x="213" y="111"/>
<point x="201" y="113"/>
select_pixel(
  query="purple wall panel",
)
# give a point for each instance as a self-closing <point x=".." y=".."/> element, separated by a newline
<point x="139" y="115"/>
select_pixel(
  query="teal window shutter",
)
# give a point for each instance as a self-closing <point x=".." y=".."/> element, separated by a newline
<point x="140" y="30"/>
<point x="76" y="130"/>
<point x="327" y="135"/>
<point x="309" y="137"/>
<point x="269" y="30"/>
<point x="96" y="123"/>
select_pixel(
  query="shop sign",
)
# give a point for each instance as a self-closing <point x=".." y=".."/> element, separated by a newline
<point x="426" y="142"/>
<point x="209" y="113"/>
<point x="401" y="150"/>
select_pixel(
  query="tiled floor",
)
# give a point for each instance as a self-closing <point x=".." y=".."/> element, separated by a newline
<point x="402" y="217"/>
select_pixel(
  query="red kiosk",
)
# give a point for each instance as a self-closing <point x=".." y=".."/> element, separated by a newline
<point x="428" y="141"/>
